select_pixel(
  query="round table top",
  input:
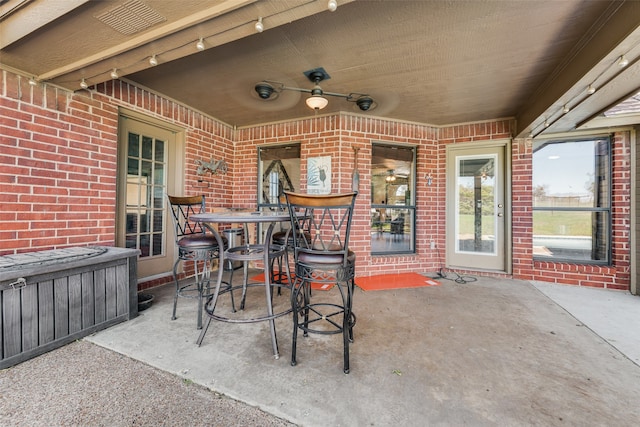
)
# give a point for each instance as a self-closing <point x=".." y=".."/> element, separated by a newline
<point x="241" y="216"/>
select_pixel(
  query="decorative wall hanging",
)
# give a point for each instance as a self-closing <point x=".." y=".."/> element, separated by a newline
<point x="319" y="175"/>
<point x="214" y="167"/>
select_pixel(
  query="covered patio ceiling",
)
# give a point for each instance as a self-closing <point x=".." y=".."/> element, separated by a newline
<point x="434" y="62"/>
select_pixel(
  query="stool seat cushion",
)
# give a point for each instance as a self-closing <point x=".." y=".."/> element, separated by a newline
<point x="325" y="258"/>
<point x="279" y="238"/>
<point x="200" y="241"/>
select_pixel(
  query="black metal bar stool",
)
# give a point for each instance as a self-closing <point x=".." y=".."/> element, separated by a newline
<point x="322" y="256"/>
<point x="196" y="245"/>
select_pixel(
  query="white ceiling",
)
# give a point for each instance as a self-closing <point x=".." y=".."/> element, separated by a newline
<point x="433" y="61"/>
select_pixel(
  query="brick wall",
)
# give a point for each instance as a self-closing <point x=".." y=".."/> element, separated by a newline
<point x="58" y="167"/>
<point x="58" y="174"/>
<point x="58" y="161"/>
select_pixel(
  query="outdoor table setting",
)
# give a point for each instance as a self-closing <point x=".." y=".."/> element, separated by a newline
<point x="246" y="252"/>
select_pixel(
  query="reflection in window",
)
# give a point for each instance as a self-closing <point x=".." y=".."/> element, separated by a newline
<point x="278" y="170"/>
<point x="572" y="200"/>
<point x="392" y="203"/>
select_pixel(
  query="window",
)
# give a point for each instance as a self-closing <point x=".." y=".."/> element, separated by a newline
<point x="279" y="170"/>
<point x="392" y="199"/>
<point x="572" y="200"/>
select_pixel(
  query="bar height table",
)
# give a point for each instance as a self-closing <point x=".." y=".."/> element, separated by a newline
<point x="246" y="252"/>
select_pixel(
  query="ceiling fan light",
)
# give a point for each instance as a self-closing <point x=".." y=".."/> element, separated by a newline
<point x="317" y="102"/>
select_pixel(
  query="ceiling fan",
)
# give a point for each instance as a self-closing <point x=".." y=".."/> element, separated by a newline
<point x="317" y="101"/>
<point x="391" y="175"/>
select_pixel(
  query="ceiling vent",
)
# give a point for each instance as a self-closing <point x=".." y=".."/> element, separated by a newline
<point x="131" y="17"/>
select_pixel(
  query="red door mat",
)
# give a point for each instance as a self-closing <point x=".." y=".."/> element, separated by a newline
<point x="318" y="286"/>
<point x="394" y="281"/>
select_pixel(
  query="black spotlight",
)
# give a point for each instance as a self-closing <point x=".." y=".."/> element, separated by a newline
<point x="264" y="90"/>
<point x="364" y="103"/>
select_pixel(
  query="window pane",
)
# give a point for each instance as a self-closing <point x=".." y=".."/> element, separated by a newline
<point x="279" y="169"/>
<point x="571" y="174"/>
<point x="392" y="202"/>
<point x="572" y="200"/>
<point x="567" y="235"/>
<point x="392" y="230"/>
<point x="134" y="145"/>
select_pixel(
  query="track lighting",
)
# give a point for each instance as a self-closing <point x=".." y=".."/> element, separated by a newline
<point x="200" y="45"/>
<point x="33" y="81"/>
<point x="364" y="102"/>
<point x="591" y="90"/>
<point x="114" y="74"/>
<point x="264" y="90"/>
<point x="83" y="84"/>
<point x="565" y="109"/>
<point x="153" y="61"/>
<point x="259" y="26"/>
<point x="623" y="61"/>
<point x="317" y="101"/>
<point x="332" y="5"/>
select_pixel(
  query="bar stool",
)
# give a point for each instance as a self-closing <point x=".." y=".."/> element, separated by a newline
<point x="196" y="245"/>
<point x="322" y="256"/>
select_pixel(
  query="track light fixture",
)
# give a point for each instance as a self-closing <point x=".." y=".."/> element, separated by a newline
<point x="332" y="5"/>
<point x="84" y="84"/>
<point x="259" y="26"/>
<point x="200" y="45"/>
<point x="114" y="74"/>
<point x="591" y="90"/>
<point x="153" y="61"/>
<point x="317" y="101"/>
<point x="623" y="61"/>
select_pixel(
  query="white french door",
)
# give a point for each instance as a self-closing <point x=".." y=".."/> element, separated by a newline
<point x="149" y="165"/>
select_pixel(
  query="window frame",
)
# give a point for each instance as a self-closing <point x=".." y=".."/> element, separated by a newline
<point x="608" y="210"/>
<point x="410" y="207"/>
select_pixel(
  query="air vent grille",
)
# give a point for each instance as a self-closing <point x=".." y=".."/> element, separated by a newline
<point x="131" y="17"/>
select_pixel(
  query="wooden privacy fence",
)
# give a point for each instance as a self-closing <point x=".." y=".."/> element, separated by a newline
<point x="50" y="298"/>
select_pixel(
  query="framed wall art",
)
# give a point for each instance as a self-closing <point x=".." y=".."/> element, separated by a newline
<point x="319" y="175"/>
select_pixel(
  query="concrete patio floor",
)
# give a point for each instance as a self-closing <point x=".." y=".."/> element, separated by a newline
<point x="484" y="353"/>
<point x="489" y="352"/>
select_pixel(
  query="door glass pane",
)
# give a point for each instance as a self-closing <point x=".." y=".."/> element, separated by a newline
<point x="146" y="184"/>
<point x="475" y="204"/>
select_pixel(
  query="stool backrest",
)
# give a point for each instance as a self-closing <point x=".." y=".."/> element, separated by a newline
<point x="182" y="207"/>
<point x="324" y="222"/>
